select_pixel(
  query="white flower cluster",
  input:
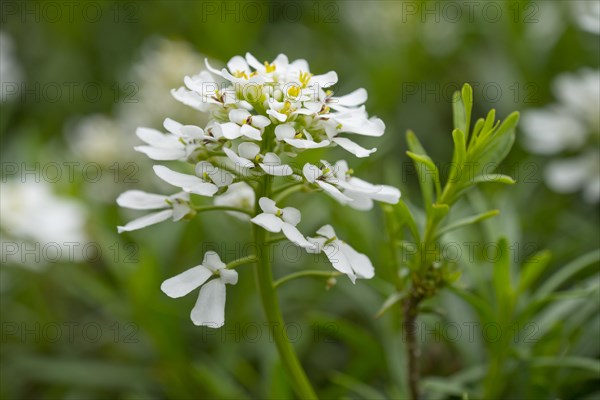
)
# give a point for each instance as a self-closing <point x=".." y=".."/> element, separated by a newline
<point x="259" y="113"/>
<point x="571" y="126"/>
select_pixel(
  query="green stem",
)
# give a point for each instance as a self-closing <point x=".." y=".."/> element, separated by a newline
<point x="241" y="261"/>
<point x="302" y="274"/>
<point x="268" y="296"/>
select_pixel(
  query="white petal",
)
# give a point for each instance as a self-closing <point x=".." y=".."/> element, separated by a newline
<point x="277" y="115"/>
<point x="182" y="284"/>
<point x="212" y="261"/>
<point x="229" y="276"/>
<point x="268" y="221"/>
<point x="193" y="131"/>
<point x="189" y="183"/>
<point x="360" y="263"/>
<point x="230" y="130"/>
<point x="325" y="80"/>
<point x="356" y="98"/>
<point x="311" y="172"/>
<point x="248" y="150"/>
<point x="260" y="121"/>
<point x="353" y="148"/>
<point x="306" y="144"/>
<point x="239" y="116"/>
<point x="384" y="193"/>
<point x="250" y="132"/>
<point x="218" y="176"/>
<point x="291" y="215"/>
<point x="172" y="126"/>
<point x="237" y="63"/>
<point x="211" y="69"/>
<point x="157" y="139"/>
<point x="210" y="306"/>
<point x="180" y="210"/>
<point x="237" y="160"/>
<point x="188" y="98"/>
<point x="334" y="192"/>
<point x="253" y="62"/>
<point x="272" y="165"/>
<point x="367" y="127"/>
<point x="146" y="220"/>
<point x="360" y="201"/>
<point x="268" y="205"/>
<point x="338" y="260"/>
<point x="294" y="235"/>
<point x="327" y="231"/>
<point x="140" y="200"/>
<point x="284" y="131"/>
<point x="162" y="154"/>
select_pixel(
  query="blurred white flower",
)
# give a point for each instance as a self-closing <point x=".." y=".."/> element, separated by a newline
<point x="210" y="306"/>
<point x="587" y="14"/>
<point x="342" y="257"/>
<point x="11" y="74"/>
<point x="31" y="213"/>
<point x="572" y="126"/>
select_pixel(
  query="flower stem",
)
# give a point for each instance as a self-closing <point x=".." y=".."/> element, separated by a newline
<point x="302" y="274"/>
<point x="270" y="303"/>
<point x="223" y="208"/>
<point x="241" y="261"/>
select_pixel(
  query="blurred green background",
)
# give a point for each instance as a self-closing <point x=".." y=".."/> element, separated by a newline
<point x="88" y="320"/>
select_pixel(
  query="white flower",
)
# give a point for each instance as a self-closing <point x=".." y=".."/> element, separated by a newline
<point x="275" y="219"/>
<point x="240" y="195"/>
<point x="31" y="213"/>
<point x="244" y="124"/>
<point x="338" y="182"/>
<point x="210" y="306"/>
<point x="576" y="173"/>
<point x="342" y="257"/>
<point x="182" y="141"/>
<point x="207" y="183"/>
<point x="587" y="15"/>
<point x="300" y="140"/>
<point x="11" y="73"/>
<point x="175" y="207"/>
<point x="572" y="124"/>
<point x="248" y="156"/>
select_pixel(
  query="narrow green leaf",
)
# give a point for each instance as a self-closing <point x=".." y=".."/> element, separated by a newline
<point x="423" y="167"/>
<point x="459" y="156"/>
<point x="458" y="112"/>
<point x="467" y="221"/>
<point x="532" y="269"/>
<point x="467" y="100"/>
<point x="431" y="170"/>
<point x="568" y="271"/>
<point x="390" y="301"/>
<point x="405" y="215"/>
<point x="494" y="178"/>
<point x="501" y="278"/>
<point x="590" y="364"/>
<point x="508" y="124"/>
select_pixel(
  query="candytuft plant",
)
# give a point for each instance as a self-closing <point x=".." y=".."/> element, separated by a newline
<point x="261" y="115"/>
<point x="478" y="150"/>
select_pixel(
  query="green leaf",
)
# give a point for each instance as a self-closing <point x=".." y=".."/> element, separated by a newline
<point x="467" y="99"/>
<point x="568" y="271"/>
<point x="459" y="156"/>
<point x="532" y="269"/>
<point x="501" y="279"/>
<point x="404" y="215"/>
<point x="390" y="301"/>
<point x="494" y="178"/>
<point x="590" y="364"/>
<point x="481" y="306"/>
<point x="430" y="173"/>
<point x="467" y="221"/>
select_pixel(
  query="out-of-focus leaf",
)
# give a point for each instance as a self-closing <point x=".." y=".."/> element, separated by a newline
<point x="390" y="301"/>
<point x="467" y="221"/>
<point x="532" y="268"/>
<point x="566" y="272"/>
<point x="590" y="364"/>
<point x="362" y="389"/>
<point x="501" y="278"/>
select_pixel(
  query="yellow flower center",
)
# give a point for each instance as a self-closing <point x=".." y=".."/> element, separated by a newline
<point x="269" y="67"/>
<point x="305" y="78"/>
<point x="240" y="74"/>
<point x="293" y="91"/>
